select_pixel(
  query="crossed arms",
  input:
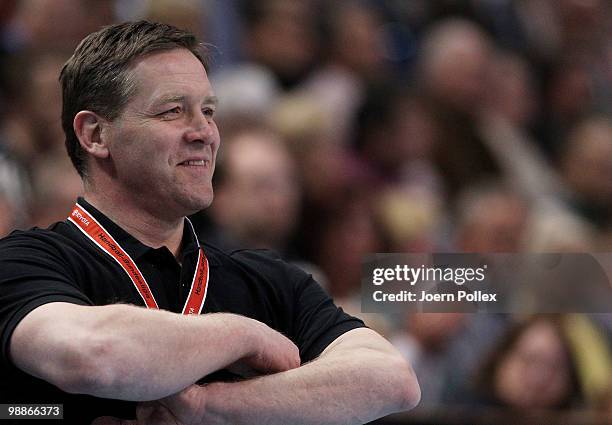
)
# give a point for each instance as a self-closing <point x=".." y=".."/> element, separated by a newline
<point x="130" y="353"/>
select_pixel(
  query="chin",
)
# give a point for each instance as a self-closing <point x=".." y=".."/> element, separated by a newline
<point x="195" y="204"/>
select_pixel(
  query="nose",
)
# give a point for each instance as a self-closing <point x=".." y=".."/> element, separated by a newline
<point x="201" y="128"/>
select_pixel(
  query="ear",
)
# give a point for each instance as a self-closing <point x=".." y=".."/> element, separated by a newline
<point x="88" y="128"/>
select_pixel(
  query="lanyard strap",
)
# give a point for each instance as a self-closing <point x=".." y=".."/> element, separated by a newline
<point x="91" y="228"/>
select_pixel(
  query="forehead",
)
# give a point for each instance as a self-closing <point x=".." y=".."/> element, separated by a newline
<point x="169" y="72"/>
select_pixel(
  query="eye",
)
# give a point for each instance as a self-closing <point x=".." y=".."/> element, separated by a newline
<point x="208" y="112"/>
<point x="170" y="113"/>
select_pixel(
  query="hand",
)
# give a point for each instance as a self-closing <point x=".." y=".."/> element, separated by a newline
<point x="183" y="408"/>
<point x="273" y="351"/>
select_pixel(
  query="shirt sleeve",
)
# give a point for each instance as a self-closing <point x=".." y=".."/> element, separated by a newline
<point x="32" y="273"/>
<point x="318" y="321"/>
<point x="310" y="317"/>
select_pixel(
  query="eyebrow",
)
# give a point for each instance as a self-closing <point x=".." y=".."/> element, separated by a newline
<point x="208" y="100"/>
<point x="211" y="100"/>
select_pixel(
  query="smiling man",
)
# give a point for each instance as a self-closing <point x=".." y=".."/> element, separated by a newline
<point x="121" y="303"/>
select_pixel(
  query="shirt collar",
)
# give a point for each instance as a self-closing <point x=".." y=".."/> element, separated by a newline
<point x="130" y="244"/>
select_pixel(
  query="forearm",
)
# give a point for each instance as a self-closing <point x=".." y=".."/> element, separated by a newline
<point x="127" y="352"/>
<point x="157" y="353"/>
<point x="343" y="387"/>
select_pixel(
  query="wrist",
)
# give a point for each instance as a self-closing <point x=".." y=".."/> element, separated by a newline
<point x="250" y="335"/>
<point x="213" y="403"/>
<point x="239" y="330"/>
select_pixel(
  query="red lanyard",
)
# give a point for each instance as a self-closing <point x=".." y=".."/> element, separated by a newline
<point x="94" y="231"/>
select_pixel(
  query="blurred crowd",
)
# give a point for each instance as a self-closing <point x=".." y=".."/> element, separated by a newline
<point x="352" y="127"/>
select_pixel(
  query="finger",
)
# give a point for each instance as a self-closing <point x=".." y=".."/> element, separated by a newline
<point x="186" y="406"/>
<point x="155" y="413"/>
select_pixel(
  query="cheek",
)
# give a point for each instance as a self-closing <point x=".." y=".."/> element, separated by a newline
<point x="216" y="144"/>
<point x="149" y="151"/>
<point x="560" y="384"/>
<point x="508" y="382"/>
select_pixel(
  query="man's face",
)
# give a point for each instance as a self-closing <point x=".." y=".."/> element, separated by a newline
<point x="163" y="145"/>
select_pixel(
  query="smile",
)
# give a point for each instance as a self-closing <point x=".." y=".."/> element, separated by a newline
<point x="195" y="163"/>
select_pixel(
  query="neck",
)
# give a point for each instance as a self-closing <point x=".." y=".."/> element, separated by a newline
<point x="148" y="228"/>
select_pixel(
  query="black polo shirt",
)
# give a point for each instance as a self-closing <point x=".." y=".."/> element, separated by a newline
<point x="61" y="264"/>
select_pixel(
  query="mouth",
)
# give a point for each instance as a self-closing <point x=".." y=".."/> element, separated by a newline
<point x="195" y="163"/>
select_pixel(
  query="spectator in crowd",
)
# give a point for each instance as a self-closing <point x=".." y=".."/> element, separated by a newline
<point x="569" y="99"/>
<point x="15" y="194"/>
<point x="505" y="125"/>
<point x="32" y="129"/>
<point x="455" y="58"/>
<point x="55" y="24"/>
<point x="532" y="368"/>
<point x="491" y="218"/>
<point x="187" y="14"/>
<point x="281" y="35"/>
<point x="345" y="235"/>
<point x="257" y="193"/>
<point x="352" y="55"/>
<point x="55" y="186"/>
<point x="429" y="341"/>
<point x="410" y="218"/>
<point x="586" y="164"/>
<point x="395" y="137"/>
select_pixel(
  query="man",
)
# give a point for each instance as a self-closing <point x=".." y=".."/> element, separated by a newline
<point x="138" y="114"/>
<point x="257" y="193"/>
